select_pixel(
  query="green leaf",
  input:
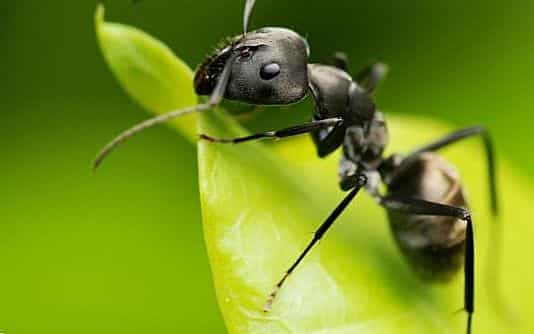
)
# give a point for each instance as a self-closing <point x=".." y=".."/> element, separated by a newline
<point x="261" y="204"/>
<point x="260" y="208"/>
<point x="148" y="70"/>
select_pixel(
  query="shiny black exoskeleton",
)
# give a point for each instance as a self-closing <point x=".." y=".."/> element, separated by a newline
<point x="271" y="68"/>
<point x="426" y="206"/>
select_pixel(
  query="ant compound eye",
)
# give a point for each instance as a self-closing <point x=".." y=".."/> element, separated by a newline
<point x="245" y="54"/>
<point x="270" y="71"/>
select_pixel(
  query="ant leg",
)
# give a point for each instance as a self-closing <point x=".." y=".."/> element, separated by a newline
<point x="341" y="61"/>
<point x="371" y="76"/>
<point x="327" y="140"/>
<point x="464" y="134"/>
<point x="361" y="180"/>
<point x="421" y="207"/>
<point x="491" y="167"/>
<point x="287" y="132"/>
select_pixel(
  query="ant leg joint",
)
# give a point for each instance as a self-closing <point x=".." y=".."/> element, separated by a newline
<point x="362" y="180"/>
<point x="465" y="215"/>
<point x="353" y="181"/>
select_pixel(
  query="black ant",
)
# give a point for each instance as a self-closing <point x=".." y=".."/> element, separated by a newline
<point x="425" y="202"/>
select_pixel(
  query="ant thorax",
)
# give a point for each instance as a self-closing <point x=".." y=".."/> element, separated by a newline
<point x="363" y="145"/>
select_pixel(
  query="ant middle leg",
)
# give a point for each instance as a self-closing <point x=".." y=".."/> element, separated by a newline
<point x="421" y="207"/>
<point x="359" y="181"/>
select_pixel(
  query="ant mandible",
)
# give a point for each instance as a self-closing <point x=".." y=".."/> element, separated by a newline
<point x="426" y="206"/>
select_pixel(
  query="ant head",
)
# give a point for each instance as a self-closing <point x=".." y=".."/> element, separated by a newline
<point x="269" y="67"/>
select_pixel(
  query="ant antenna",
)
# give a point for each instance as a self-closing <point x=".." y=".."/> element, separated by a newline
<point x="215" y="98"/>
<point x="246" y="17"/>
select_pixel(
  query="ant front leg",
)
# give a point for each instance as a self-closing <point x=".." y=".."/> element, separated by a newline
<point x="278" y="134"/>
<point x="359" y="181"/>
<point x="421" y="207"/>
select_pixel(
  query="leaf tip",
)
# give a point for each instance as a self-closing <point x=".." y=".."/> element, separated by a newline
<point x="99" y="15"/>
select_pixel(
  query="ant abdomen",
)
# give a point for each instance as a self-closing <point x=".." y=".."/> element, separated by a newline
<point x="433" y="245"/>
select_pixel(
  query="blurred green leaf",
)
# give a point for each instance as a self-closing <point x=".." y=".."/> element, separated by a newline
<point x="148" y="70"/>
<point x="261" y="204"/>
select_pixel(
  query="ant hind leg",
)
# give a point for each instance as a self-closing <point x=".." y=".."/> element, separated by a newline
<point x="421" y="207"/>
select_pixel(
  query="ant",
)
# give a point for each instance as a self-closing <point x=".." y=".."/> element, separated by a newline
<point x="425" y="202"/>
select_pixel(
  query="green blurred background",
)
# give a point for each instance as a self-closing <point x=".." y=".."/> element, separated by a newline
<point x="122" y="251"/>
